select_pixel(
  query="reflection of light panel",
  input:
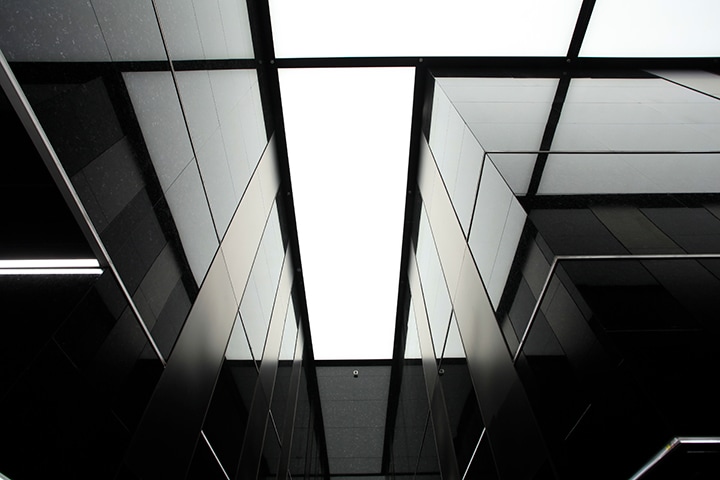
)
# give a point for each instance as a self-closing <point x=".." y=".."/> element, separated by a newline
<point x="78" y="266"/>
<point x="51" y="271"/>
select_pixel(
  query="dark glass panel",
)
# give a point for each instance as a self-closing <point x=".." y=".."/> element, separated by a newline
<point x="227" y="417"/>
<point x="621" y="357"/>
<point x="71" y="406"/>
<point x="302" y="433"/>
<point x="463" y="410"/>
<point x="413" y="405"/>
<point x="36" y="221"/>
<point x="428" y="467"/>
<point x="434" y="288"/>
<point x="271" y="451"/>
<point x="281" y="396"/>
<point x="94" y="131"/>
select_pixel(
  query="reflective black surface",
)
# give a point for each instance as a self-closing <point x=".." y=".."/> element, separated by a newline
<point x="626" y="351"/>
<point x="36" y="221"/>
<point x="77" y="375"/>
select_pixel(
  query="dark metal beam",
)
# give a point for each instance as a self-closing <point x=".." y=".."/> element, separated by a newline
<point x="563" y="85"/>
<point x="581" y="27"/>
<point x="510" y="66"/>
<point x="261" y="31"/>
<point x="548" y="134"/>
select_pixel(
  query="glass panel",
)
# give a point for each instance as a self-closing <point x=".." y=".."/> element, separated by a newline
<point x="204" y="464"/>
<point x="412" y="405"/>
<point x="77" y="374"/>
<point x="271" y="451"/>
<point x="463" y="411"/>
<point x="641" y="114"/>
<point x="504" y="114"/>
<point x="33" y="31"/>
<point x="630" y="173"/>
<point x="434" y="288"/>
<point x="281" y="396"/>
<point x="227" y="417"/>
<point x="623" y="350"/>
<point x="189" y="206"/>
<point x="197" y="30"/>
<point x="462" y="28"/>
<point x="94" y="132"/>
<point x="516" y="169"/>
<point x="236" y="95"/>
<point x="497" y="225"/>
<point x="700" y="81"/>
<point x="156" y="106"/>
<point x="652" y="28"/>
<point x="428" y="467"/>
<point x="257" y="301"/>
<point x="303" y="432"/>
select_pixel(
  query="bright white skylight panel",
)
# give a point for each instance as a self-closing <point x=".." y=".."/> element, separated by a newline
<point x="348" y="136"/>
<point x="653" y="28"/>
<point x="331" y="28"/>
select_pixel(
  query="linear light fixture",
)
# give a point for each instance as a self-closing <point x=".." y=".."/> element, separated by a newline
<point x="75" y="266"/>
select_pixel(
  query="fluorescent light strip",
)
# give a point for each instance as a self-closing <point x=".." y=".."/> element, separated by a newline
<point x="51" y="271"/>
<point x="73" y="266"/>
<point x="51" y="263"/>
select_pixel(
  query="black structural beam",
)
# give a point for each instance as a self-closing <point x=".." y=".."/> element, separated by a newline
<point x="560" y="94"/>
<point x="261" y="31"/>
<point x="511" y="66"/>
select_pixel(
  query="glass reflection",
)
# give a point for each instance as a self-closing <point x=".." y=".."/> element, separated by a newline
<point x="77" y="374"/>
<point x="412" y="405"/>
<point x="630" y="331"/>
<point x="466" y="422"/>
<point x="281" y="395"/>
<point x="228" y="415"/>
<point x="435" y="293"/>
<point x="257" y="301"/>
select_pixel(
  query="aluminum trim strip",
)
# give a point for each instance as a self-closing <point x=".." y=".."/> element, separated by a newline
<point x="212" y="450"/>
<point x="472" y="457"/>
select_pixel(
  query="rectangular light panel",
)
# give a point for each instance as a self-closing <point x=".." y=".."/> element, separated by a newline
<point x="348" y="136"/>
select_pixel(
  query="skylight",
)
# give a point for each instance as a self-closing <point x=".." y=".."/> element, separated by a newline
<point x="653" y="28"/>
<point x="348" y="137"/>
<point x="378" y="28"/>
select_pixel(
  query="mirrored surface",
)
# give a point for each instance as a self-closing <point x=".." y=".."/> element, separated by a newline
<point x="466" y="424"/>
<point x="412" y="405"/>
<point x="434" y="289"/>
<point x="77" y="375"/>
<point x="259" y="297"/>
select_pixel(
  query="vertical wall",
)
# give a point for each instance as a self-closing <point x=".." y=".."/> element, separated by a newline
<point x="151" y="122"/>
<point x="569" y="295"/>
<point x="469" y="226"/>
